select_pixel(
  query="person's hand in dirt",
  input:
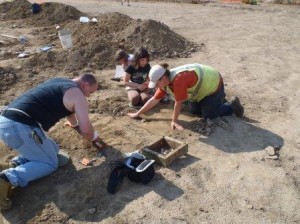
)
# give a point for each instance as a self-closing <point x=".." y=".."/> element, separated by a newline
<point x="134" y="115"/>
<point x="176" y="112"/>
<point x="174" y="125"/>
<point x="148" y="106"/>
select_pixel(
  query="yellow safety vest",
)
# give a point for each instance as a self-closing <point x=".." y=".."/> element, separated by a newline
<point x="208" y="81"/>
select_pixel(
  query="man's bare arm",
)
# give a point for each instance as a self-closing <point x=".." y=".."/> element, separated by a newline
<point x="148" y="106"/>
<point x="75" y="101"/>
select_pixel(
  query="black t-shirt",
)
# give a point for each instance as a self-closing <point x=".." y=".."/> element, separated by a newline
<point x="138" y="75"/>
<point x="44" y="104"/>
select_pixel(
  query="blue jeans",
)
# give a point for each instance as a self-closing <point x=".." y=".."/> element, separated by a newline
<point x="212" y="106"/>
<point x="36" y="159"/>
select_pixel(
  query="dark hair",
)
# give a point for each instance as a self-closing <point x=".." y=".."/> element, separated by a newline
<point x="165" y="65"/>
<point x="89" y="78"/>
<point x="138" y="54"/>
<point x="121" y="54"/>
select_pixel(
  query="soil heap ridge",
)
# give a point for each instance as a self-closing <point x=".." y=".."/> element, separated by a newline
<point x="18" y="9"/>
<point x="51" y="13"/>
<point x="94" y="44"/>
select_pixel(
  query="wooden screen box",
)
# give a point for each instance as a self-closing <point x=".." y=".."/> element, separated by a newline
<point x="165" y="150"/>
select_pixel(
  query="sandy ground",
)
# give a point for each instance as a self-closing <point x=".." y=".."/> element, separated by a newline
<point x="227" y="176"/>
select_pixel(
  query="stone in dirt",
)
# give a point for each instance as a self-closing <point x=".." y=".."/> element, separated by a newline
<point x="270" y="151"/>
<point x="274" y="157"/>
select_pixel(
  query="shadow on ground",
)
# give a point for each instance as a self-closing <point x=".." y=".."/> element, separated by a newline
<point x="238" y="136"/>
<point x="75" y="192"/>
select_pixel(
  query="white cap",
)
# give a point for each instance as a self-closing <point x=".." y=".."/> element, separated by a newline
<point x="156" y="72"/>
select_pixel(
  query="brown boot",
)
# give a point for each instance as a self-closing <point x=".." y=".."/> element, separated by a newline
<point x="5" y="189"/>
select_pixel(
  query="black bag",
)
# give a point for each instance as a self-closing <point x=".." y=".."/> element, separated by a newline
<point x="139" y="169"/>
<point x="35" y="8"/>
<point x="116" y="176"/>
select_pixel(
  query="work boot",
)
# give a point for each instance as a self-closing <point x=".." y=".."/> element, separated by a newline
<point x="237" y="107"/>
<point x="5" y="189"/>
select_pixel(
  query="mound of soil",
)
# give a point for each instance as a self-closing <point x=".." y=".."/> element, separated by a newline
<point x="94" y="44"/>
<point x="159" y="40"/>
<point x="54" y="13"/>
<point x="117" y="30"/>
<point x="51" y="12"/>
<point x="18" y="9"/>
<point x="114" y="22"/>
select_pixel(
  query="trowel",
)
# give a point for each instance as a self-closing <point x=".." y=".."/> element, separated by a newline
<point x="21" y="38"/>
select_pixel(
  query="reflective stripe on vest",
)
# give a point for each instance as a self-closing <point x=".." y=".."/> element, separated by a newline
<point x="207" y="83"/>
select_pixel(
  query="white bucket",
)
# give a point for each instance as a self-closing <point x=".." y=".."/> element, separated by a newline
<point x="65" y="38"/>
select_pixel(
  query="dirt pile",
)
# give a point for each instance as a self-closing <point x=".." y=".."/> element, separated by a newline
<point x="160" y="40"/>
<point x="54" y="13"/>
<point x="114" y="22"/>
<point x="18" y="9"/>
<point x="51" y="13"/>
<point x="118" y="30"/>
<point x="96" y="43"/>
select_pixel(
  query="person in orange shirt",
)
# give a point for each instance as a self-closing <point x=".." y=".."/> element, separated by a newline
<point x="200" y="84"/>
